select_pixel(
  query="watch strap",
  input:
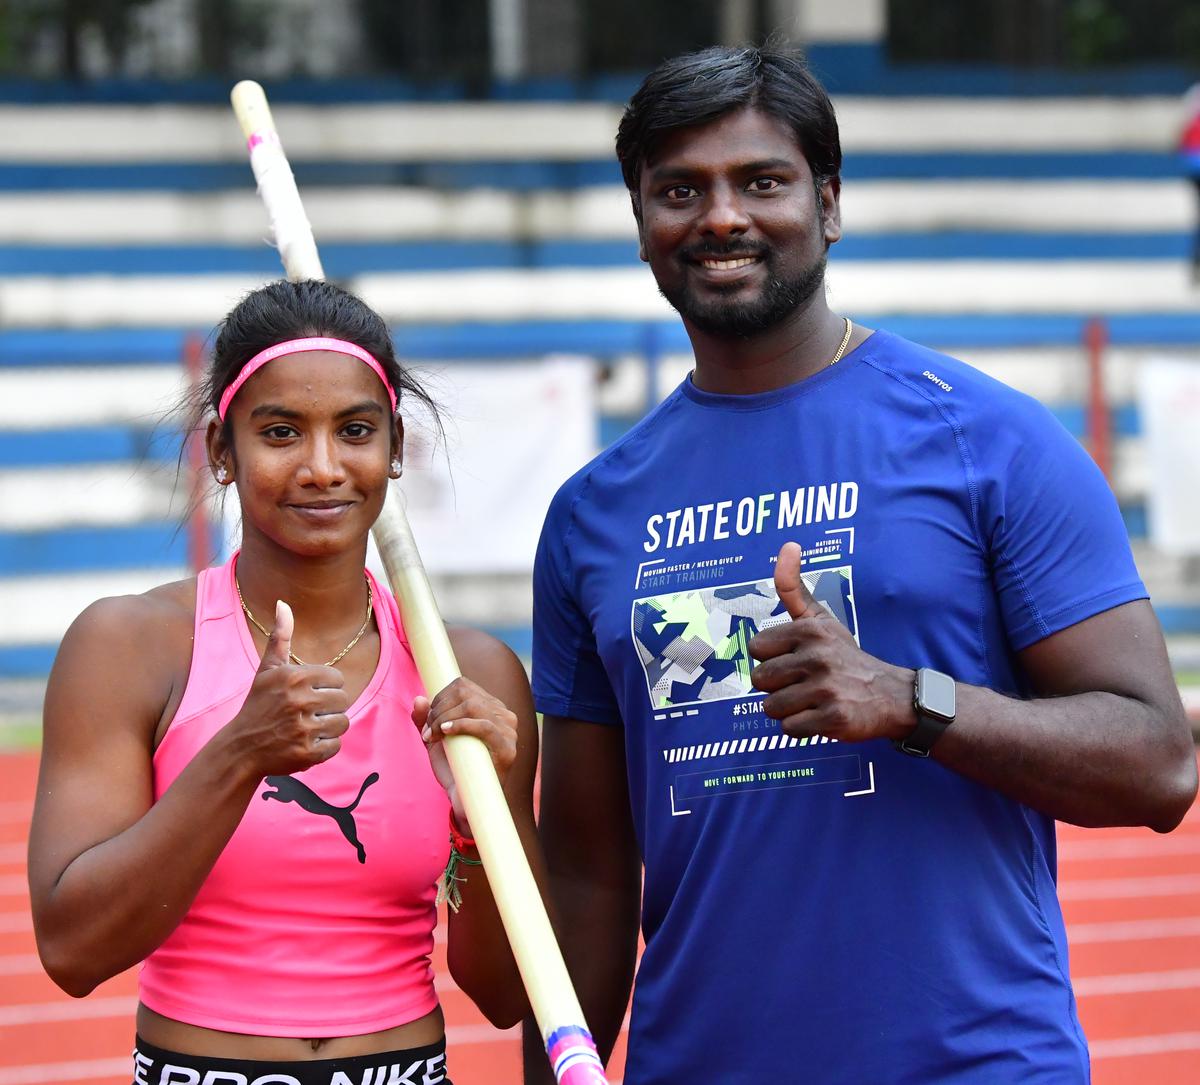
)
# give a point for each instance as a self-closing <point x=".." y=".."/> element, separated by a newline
<point x="930" y="726"/>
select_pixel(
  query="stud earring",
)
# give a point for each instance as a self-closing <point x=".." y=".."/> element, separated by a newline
<point x="397" y="469"/>
<point x="222" y="475"/>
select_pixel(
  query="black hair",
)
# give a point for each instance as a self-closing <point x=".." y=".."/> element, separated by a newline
<point x="284" y="310"/>
<point x="697" y="88"/>
<point x="275" y="313"/>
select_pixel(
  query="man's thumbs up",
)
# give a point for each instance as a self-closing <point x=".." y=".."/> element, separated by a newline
<point x="817" y="679"/>
<point x="278" y="651"/>
<point x="791" y="588"/>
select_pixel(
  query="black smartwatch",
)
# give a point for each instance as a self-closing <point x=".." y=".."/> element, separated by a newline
<point x="933" y="699"/>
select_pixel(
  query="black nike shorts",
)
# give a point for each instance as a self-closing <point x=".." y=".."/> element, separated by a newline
<point x="412" y="1066"/>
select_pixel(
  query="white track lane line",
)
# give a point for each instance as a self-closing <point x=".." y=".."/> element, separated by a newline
<point x="49" y="1073"/>
<point x="1138" y="841"/>
<point x="1134" y="930"/>
<point x="13" y="885"/>
<point x="13" y="853"/>
<point x="15" y="922"/>
<point x="1166" y="885"/>
<point x="1129" y="848"/>
<point x="20" y="964"/>
<point x="33" y="1013"/>
<point x="1143" y="1045"/>
<point x="1127" y="983"/>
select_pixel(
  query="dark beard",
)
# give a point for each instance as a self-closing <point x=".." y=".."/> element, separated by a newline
<point x="780" y="297"/>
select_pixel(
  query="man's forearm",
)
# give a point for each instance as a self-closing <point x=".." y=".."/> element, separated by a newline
<point x="1105" y="742"/>
<point x="1089" y="758"/>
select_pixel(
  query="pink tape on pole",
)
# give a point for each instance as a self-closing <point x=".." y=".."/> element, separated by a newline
<point x="261" y="137"/>
<point x="573" y="1057"/>
<point x="297" y="346"/>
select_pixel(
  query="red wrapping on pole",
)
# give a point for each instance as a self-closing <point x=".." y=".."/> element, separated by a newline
<point x="1099" y="418"/>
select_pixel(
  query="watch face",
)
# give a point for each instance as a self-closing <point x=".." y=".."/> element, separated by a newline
<point x="935" y="694"/>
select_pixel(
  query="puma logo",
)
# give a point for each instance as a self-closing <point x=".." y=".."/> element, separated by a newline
<point x="289" y="789"/>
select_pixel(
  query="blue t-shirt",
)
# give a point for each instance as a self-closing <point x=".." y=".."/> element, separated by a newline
<point x="822" y="911"/>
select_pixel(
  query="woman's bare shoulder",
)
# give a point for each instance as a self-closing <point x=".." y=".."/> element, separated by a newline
<point x="480" y="648"/>
<point x="144" y="638"/>
<point x="490" y="662"/>
<point x="165" y="611"/>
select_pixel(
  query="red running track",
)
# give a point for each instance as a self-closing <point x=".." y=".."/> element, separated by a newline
<point x="1132" y="901"/>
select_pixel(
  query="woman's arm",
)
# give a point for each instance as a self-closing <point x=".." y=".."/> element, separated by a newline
<point x="111" y="872"/>
<point x="478" y="953"/>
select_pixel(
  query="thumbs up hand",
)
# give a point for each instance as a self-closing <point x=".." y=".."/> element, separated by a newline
<point x="278" y="652"/>
<point x="790" y="587"/>
<point x="295" y="714"/>
<point x="818" y="680"/>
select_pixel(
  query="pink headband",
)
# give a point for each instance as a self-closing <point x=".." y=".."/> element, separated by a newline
<point x="297" y="346"/>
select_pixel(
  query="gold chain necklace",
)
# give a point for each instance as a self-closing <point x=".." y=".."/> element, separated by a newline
<point x="845" y="343"/>
<point x="292" y="655"/>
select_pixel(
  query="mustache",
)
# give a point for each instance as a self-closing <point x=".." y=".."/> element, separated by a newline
<point x="709" y="251"/>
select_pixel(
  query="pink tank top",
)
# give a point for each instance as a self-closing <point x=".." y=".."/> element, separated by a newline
<point x="317" y="919"/>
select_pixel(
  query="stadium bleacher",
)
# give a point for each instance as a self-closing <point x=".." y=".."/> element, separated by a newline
<point x="993" y="229"/>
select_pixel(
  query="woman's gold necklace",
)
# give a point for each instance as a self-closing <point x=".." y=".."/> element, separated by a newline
<point x="292" y="655"/>
<point x="845" y="343"/>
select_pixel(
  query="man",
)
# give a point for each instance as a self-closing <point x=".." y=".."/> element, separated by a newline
<point x="853" y="878"/>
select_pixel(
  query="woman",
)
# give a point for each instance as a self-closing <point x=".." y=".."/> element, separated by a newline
<point x="263" y="830"/>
